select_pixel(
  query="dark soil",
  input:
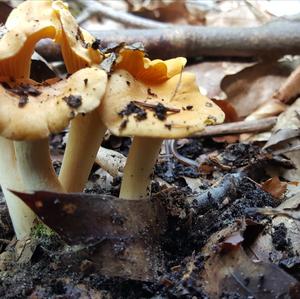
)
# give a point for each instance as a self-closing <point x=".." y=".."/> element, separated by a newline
<point x="279" y="238"/>
<point x="54" y="270"/>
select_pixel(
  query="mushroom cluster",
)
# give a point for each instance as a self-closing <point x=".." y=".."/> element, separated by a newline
<point x="149" y="100"/>
<point x="30" y="111"/>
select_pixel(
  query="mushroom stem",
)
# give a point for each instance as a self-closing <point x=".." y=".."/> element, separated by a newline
<point x="22" y="217"/>
<point x="139" y="167"/>
<point x="85" y="137"/>
<point x="35" y="165"/>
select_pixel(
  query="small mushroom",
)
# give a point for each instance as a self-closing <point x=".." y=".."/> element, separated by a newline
<point x="151" y="112"/>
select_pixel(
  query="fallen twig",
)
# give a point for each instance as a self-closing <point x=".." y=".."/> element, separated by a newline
<point x="95" y="7"/>
<point x="111" y="161"/>
<point x="273" y="39"/>
<point x="238" y="127"/>
<point x="227" y="187"/>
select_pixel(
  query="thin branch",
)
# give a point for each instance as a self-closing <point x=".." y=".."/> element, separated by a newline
<point x="274" y="39"/>
<point x="95" y="7"/>
<point x="238" y="127"/>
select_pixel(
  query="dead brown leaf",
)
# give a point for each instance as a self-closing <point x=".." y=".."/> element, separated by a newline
<point x="255" y="85"/>
<point x="117" y="228"/>
<point x="210" y="74"/>
<point x="233" y="13"/>
<point x="176" y="12"/>
<point x="289" y="122"/>
<point x="275" y="187"/>
<point x="5" y="10"/>
<point x="230" y="112"/>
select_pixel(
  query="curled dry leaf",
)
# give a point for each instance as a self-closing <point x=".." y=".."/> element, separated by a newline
<point x="229" y="110"/>
<point x="287" y="127"/>
<point x="282" y="135"/>
<point x="268" y="109"/>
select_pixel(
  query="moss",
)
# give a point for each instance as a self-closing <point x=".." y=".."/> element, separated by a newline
<point x="42" y="231"/>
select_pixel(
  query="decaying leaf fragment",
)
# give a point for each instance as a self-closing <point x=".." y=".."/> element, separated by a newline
<point x="113" y="226"/>
<point x="275" y="187"/>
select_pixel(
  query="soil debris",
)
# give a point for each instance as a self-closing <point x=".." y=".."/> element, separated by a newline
<point x="23" y="101"/>
<point x="279" y="238"/>
<point x="74" y="101"/>
<point x="132" y="108"/>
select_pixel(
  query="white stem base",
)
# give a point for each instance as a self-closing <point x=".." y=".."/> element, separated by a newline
<point x="22" y="217"/>
<point x="35" y="166"/>
<point x="85" y="137"/>
<point x="139" y="167"/>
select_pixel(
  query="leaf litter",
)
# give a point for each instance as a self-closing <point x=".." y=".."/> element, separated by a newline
<point x="228" y="226"/>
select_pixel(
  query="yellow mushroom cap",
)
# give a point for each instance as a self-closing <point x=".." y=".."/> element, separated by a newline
<point x="76" y="43"/>
<point x="146" y="70"/>
<point x="28" y="23"/>
<point x="29" y="110"/>
<point x="35" y="20"/>
<point x="172" y="109"/>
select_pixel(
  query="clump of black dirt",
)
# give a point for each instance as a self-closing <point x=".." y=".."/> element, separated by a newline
<point x="279" y="238"/>
<point x="120" y="144"/>
<point x="173" y="171"/>
<point x="240" y="154"/>
<point x="193" y="148"/>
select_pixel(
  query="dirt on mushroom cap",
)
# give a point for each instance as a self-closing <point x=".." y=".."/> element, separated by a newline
<point x="52" y="107"/>
<point x="174" y="108"/>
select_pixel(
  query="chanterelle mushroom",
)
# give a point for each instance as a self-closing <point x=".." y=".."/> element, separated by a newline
<point x="35" y="20"/>
<point x="29" y="111"/>
<point x="150" y="111"/>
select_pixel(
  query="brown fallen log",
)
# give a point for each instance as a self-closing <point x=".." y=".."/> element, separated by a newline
<point x="276" y="38"/>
